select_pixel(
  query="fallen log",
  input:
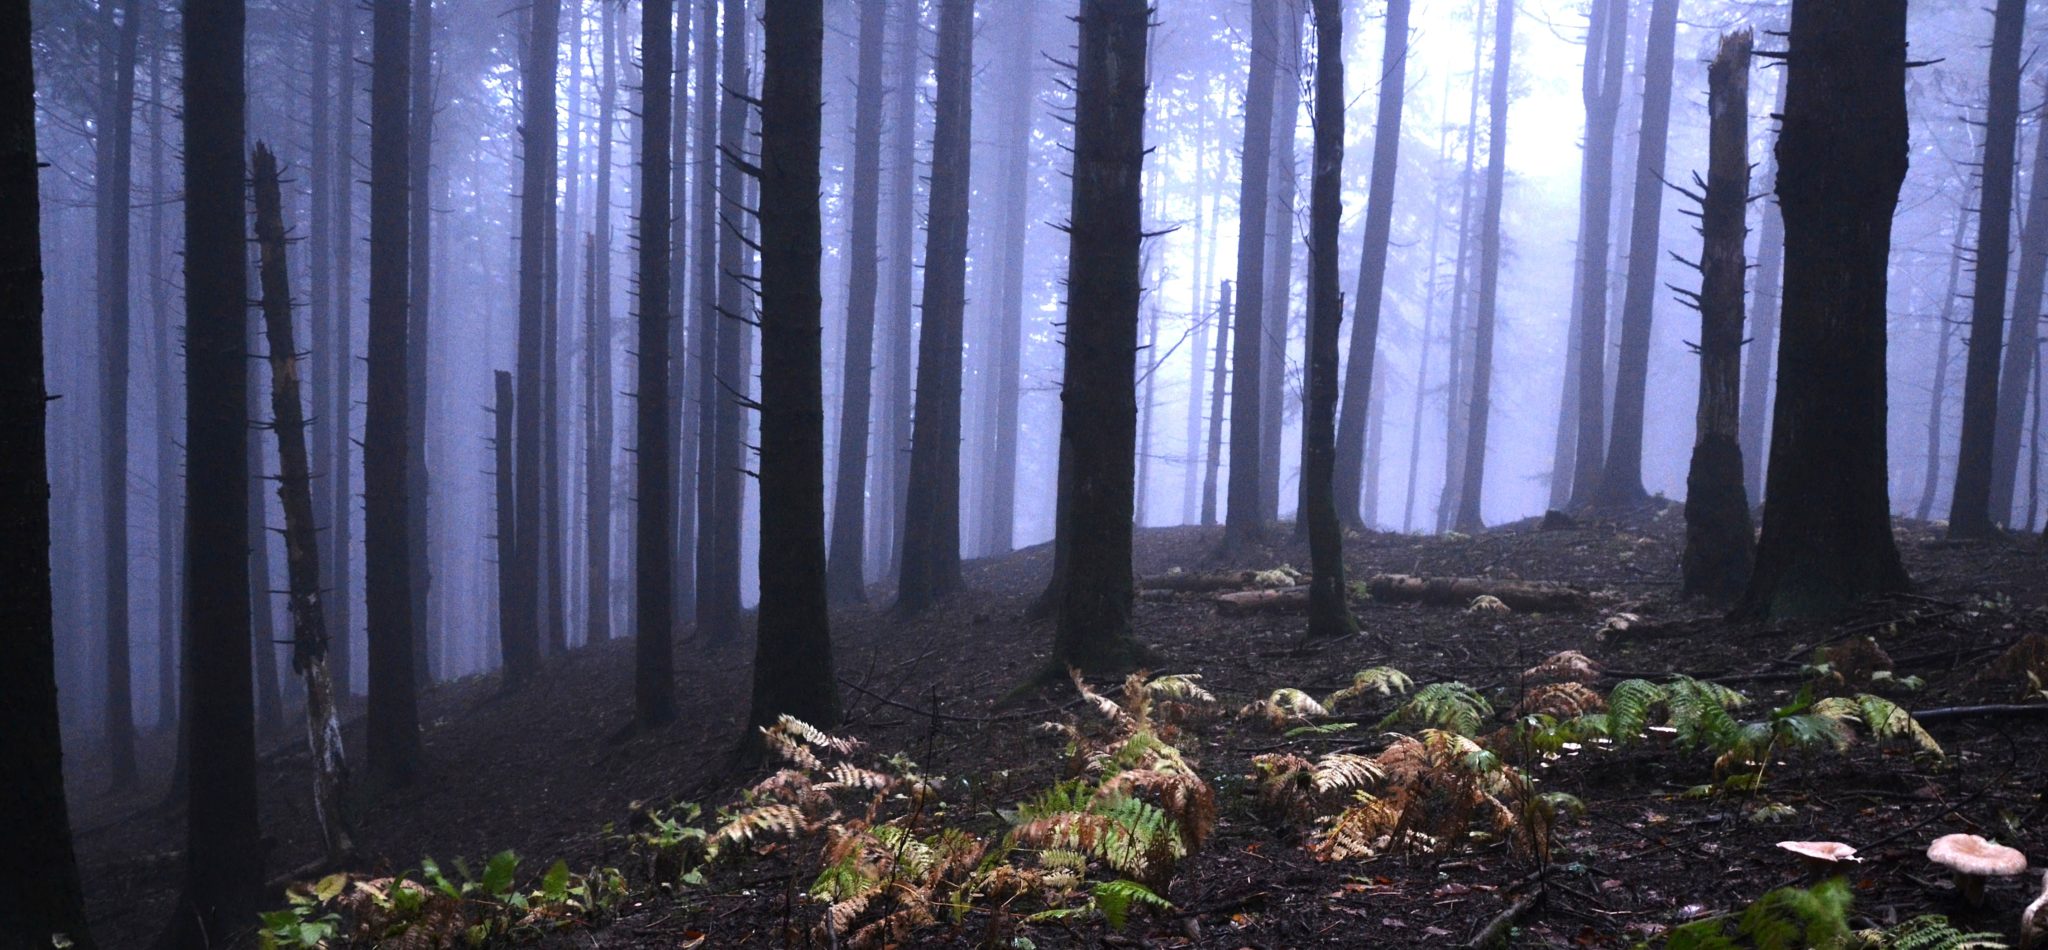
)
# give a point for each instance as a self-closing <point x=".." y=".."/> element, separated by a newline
<point x="1186" y="583"/>
<point x="1525" y="596"/>
<point x="1279" y="599"/>
<point x="2006" y="711"/>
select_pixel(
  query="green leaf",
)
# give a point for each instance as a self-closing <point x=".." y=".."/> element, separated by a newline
<point x="554" y="886"/>
<point x="498" y="873"/>
<point x="330" y="887"/>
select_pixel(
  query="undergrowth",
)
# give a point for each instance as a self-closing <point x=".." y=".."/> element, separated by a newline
<point x="1793" y="918"/>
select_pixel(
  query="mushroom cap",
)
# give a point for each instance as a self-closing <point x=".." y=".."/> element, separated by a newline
<point x="1969" y="854"/>
<point x="1821" y="850"/>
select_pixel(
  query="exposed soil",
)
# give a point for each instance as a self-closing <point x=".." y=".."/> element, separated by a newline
<point x="545" y="770"/>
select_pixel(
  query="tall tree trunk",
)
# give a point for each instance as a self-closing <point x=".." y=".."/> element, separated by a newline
<point x="845" y="574"/>
<point x="718" y="541"/>
<point x="597" y="353"/>
<point x="1621" y="483"/>
<point x="169" y="472"/>
<point x="705" y="321"/>
<point x="1019" y="101"/>
<point x="341" y="501"/>
<point x="113" y="161"/>
<point x="1244" y="517"/>
<point x="1606" y="68"/>
<point x="931" y="527"/>
<point x="653" y="657"/>
<point x="1763" y="344"/>
<point x="1277" y="292"/>
<point x="1842" y="152"/>
<point x="1717" y="527"/>
<point x="1470" y="518"/>
<point x="503" y="411"/>
<point x="262" y="618"/>
<point x="223" y="860"/>
<point x="1329" y="610"/>
<point x="394" y="722"/>
<point x="320" y="317"/>
<point x="683" y="446"/>
<point x="1213" y="458"/>
<point x="40" y="896"/>
<point x="419" y="307"/>
<point x="301" y="544"/>
<point x="1970" y="513"/>
<point x="793" y="653"/>
<point x="537" y="170"/>
<point x="2021" y="344"/>
<point x="1937" y="394"/>
<point x="1098" y="411"/>
<point x="893" y="436"/>
<point x="1458" y="385"/>
<point x="1372" y="266"/>
<point x="1436" y="231"/>
<point x="1200" y="317"/>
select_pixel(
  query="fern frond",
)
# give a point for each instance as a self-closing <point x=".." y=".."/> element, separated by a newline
<point x="1384" y="680"/>
<point x="1116" y="898"/>
<point x="1886" y="720"/>
<point x="1343" y="771"/>
<point x="1284" y="704"/>
<point x="762" y="819"/>
<point x="1185" y="686"/>
<point x="1453" y="707"/>
<point x="1933" y="932"/>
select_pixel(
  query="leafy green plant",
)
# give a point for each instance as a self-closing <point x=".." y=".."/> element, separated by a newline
<point x="1793" y="918"/>
<point x="1451" y="707"/>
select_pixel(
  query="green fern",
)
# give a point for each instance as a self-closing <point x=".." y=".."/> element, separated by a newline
<point x="1384" y="680"/>
<point x="1886" y="720"/>
<point x="1931" y="932"/>
<point x="1114" y="899"/>
<point x="1451" y="707"/>
<point x="1788" y="918"/>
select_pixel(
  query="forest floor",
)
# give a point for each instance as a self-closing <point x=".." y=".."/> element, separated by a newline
<point x="550" y="770"/>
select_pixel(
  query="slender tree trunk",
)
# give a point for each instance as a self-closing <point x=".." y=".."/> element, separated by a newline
<point x="262" y="618"/>
<point x="537" y="170"/>
<point x="1375" y="447"/>
<point x="1244" y="518"/>
<point x="597" y="373"/>
<point x="705" y="321"/>
<point x="718" y="542"/>
<point x="1146" y="408"/>
<point x="301" y="544"/>
<point x="682" y="447"/>
<point x="503" y="411"/>
<point x="320" y="307"/>
<point x="341" y="408"/>
<point x="847" y="580"/>
<point x="1019" y="102"/>
<point x="1842" y="153"/>
<point x="931" y="527"/>
<point x="793" y="655"/>
<point x="1763" y="344"/>
<point x="893" y="437"/>
<point x="1621" y="484"/>
<point x="2021" y="344"/>
<point x="1213" y="458"/>
<point x="1970" y="513"/>
<point x="1606" y="68"/>
<point x="1329" y="611"/>
<point x="1277" y="292"/>
<point x="1455" y="399"/>
<point x="1937" y="395"/>
<point x="1098" y="411"/>
<point x="1372" y="267"/>
<point x="1717" y="527"/>
<point x="1198" y="291"/>
<point x="1436" y="230"/>
<point x="654" y="658"/>
<point x="40" y="895"/>
<point x="169" y="473"/>
<point x="223" y="860"/>
<point x="419" y="308"/>
<point x="1470" y="517"/>
<point x="113" y="161"/>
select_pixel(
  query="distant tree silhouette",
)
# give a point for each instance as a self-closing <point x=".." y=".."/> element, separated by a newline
<point x="654" y="585"/>
<point x="113" y="160"/>
<point x="847" y="567"/>
<point x="1244" y="521"/>
<point x="1480" y="408"/>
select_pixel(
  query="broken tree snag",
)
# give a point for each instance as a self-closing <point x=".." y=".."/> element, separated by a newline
<point x="1278" y="600"/>
<point x="1524" y="596"/>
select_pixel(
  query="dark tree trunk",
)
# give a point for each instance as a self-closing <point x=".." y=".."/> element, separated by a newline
<point x="1621" y="484"/>
<point x="113" y="159"/>
<point x="1372" y="266"/>
<point x="1329" y="611"/>
<point x="223" y="859"/>
<point x="1827" y="534"/>
<point x="320" y="308"/>
<point x="1277" y="291"/>
<point x="262" y="618"/>
<point x="394" y="723"/>
<point x="718" y="537"/>
<point x="1098" y="404"/>
<point x="1014" y="222"/>
<point x="1937" y="394"/>
<point x="39" y="892"/>
<point x="1717" y="528"/>
<point x="892" y="439"/>
<point x="931" y="526"/>
<point x="654" y="586"/>
<point x="301" y="544"/>
<point x="1606" y="48"/>
<point x="846" y="572"/>
<point x="2021" y="344"/>
<point x="1763" y="345"/>
<point x="419" y="308"/>
<point x="169" y="472"/>
<point x="793" y="653"/>
<point x="597" y="376"/>
<point x="1970" y="514"/>
<point x="683" y="446"/>
<point x="1474" y="474"/>
<point x="1244" y="515"/>
<point x="341" y="408"/>
<point x="537" y="171"/>
<point x="705" y="321"/>
<point x="503" y="410"/>
<point x="1457" y="387"/>
<point x="1213" y="458"/>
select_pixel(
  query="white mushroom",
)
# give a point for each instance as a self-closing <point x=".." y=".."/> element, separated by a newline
<point x="1820" y="856"/>
<point x="1971" y="859"/>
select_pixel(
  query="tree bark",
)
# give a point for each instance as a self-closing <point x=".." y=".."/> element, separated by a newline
<point x="718" y="539"/>
<point x="419" y="310"/>
<point x="301" y="543"/>
<point x="537" y="170"/>
<point x="1763" y="344"/>
<point x="1606" y="49"/>
<point x="893" y="437"/>
<point x="1970" y="513"/>
<point x="1098" y="403"/>
<point x="2021" y="344"/>
<point x="597" y="354"/>
<point x="793" y="670"/>
<point x="931" y="527"/>
<point x="113" y="160"/>
<point x="1718" y="535"/>
<point x="1329" y="613"/>
<point x="1019" y="108"/>
<point x="1244" y="514"/>
<point x="705" y="320"/>
<point x="653" y="656"/>
<point x="1842" y="152"/>
<point x="341" y="500"/>
<point x="262" y="618"/>
<point x="169" y="471"/>
<point x="846" y="571"/>
<point x="39" y="889"/>
<point x="504" y="409"/>
<point x="1213" y="457"/>
<point x="1474" y="473"/>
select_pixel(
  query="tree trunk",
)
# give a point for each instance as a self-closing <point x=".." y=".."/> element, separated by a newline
<point x="793" y="654"/>
<point x="1278" y="289"/>
<point x="341" y="501"/>
<point x="537" y="170"/>
<point x="1020" y="101"/>
<point x="1436" y="230"/>
<point x="503" y="411"/>
<point x="2022" y="343"/>
<point x="705" y="320"/>
<point x="893" y="437"/>
<point x="718" y="540"/>
<point x="1457" y="386"/>
<point x="1098" y="411"/>
<point x="654" y="658"/>
<point x="597" y="353"/>
<point x="1970" y="514"/>
<point x="320" y="307"/>
<point x="1842" y="152"/>
<point x="301" y="543"/>
<point x="1621" y="484"/>
<point x="846" y="573"/>
<point x="1213" y="457"/>
<point x="1474" y="475"/>
<point x="169" y="472"/>
<point x="262" y="618"/>
<point x="223" y="858"/>
<point x="419" y="309"/>
<point x="1146" y="409"/>
<point x="1606" y="48"/>
<point x="1244" y="516"/>
<point x="1372" y="267"/>
<point x="931" y="527"/>
<point x="1329" y="613"/>
<point x="1717" y="528"/>
<point x="394" y="724"/>
<point x="40" y="895"/>
<point x="1763" y="344"/>
<point x="113" y="160"/>
<point x="1937" y="394"/>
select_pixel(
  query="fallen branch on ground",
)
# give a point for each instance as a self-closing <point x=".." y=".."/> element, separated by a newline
<point x="1528" y="596"/>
